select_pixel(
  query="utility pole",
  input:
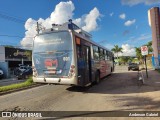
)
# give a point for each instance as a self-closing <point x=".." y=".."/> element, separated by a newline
<point x="144" y="52"/>
<point x="146" y="66"/>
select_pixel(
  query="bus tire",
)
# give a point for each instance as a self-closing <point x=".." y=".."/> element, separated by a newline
<point x="97" y="77"/>
<point x="111" y="71"/>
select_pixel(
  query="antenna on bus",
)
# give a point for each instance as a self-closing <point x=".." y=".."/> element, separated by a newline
<point x="37" y="29"/>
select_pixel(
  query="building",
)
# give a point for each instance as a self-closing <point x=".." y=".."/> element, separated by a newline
<point x="11" y="57"/>
<point x="154" y="22"/>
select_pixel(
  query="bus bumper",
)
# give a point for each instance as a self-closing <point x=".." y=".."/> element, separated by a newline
<point x="71" y="81"/>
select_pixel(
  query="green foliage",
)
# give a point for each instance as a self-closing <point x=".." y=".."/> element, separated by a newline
<point x="125" y="59"/>
<point x="149" y="45"/>
<point x="138" y="53"/>
<point x="116" y="49"/>
<point x="16" y="86"/>
<point x="138" y="50"/>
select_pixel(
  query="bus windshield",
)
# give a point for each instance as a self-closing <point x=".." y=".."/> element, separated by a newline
<point x="52" y="54"/>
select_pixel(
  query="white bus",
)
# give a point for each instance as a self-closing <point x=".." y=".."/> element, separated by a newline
<point x="65" y="54"/>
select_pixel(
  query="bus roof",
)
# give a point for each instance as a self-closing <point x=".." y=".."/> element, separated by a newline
<point x="76" y="30"/>
<point x="91" y="41"/>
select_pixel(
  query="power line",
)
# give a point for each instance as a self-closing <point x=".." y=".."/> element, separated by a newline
<point x="13" y="18"/>
<point x="14" y="36"/>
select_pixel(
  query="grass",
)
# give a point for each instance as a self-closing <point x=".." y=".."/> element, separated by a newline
<point x="158" y="70"/>
<point x="28" y="82"/>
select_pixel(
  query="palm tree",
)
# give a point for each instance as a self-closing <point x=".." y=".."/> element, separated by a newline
<point x="138" y="53"/>
<point x="116" y="50"/>
<point x="149" y="45"/>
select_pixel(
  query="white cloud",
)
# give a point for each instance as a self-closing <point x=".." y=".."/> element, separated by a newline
<point x="122" y="16"/>
<point x="111" y="14"/>
<point x="30" y="26"/>
<point x="128" y="50"/>
<point x="61" y="14"/>
<point x="135" y="2"/>
<point x="142" y="37"/>
<point x="130" y="22"/>
<point x="90" y="20"/>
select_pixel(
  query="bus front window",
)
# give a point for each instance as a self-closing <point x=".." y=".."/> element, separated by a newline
<point x="52" y="54"/>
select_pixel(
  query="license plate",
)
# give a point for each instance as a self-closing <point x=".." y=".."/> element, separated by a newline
<point x="50" y="72"/>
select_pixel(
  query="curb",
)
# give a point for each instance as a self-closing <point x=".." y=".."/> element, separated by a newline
<point x="20" y="89"/>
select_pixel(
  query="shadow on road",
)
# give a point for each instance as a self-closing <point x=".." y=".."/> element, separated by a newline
<point x="79" y="89"/>
<point x="117" y="83"/>
<point x="138" y="103"/>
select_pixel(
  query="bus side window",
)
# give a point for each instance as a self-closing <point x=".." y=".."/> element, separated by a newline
<point x="104" y="55"/>
<point x="95" y="53"/>
<point x="110" y="56"/>
<point x="101" y="54"/>
<point x="79" y="53"/>
<point x="107" y="56"/>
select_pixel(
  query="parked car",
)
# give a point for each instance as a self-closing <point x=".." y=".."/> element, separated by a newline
<point x="20" y="69"/>
<point x="1" y="73"/>
<point x="133" y="66"/>
<point x="24" y="74"/>
<point x="23" y="68"/>
<point x="17" y="71"/>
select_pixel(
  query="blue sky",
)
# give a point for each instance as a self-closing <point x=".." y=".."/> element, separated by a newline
<point x="131" y="30"/>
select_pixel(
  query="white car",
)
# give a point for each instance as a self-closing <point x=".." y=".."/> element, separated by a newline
<point x="22" y="68"/>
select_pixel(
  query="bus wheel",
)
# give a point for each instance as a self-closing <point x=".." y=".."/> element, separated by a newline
<point x="111" y="71"/>
<point x="97" y="78"/>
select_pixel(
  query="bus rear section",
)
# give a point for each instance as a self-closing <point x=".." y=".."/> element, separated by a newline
<point x="53" y="58"/>
<point x="67" y="55"/>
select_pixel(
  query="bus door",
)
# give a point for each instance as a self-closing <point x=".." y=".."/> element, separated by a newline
<point x="87" y="58"/>
<point x="84" y="64"/>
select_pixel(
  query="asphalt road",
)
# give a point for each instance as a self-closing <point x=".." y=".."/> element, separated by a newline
<point x="118" y="92"/>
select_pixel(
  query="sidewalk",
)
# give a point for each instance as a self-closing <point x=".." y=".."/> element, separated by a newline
<point x="9" y="81"/>
<point x="153" y="78"/>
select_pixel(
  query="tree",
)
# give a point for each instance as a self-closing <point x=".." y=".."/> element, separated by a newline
<point x="126" y="59"/>
<point x="138" y="53"/>
<point x="149" y="45"/>
<point x="116" y="50"/>
<point x="138" y="50"/>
